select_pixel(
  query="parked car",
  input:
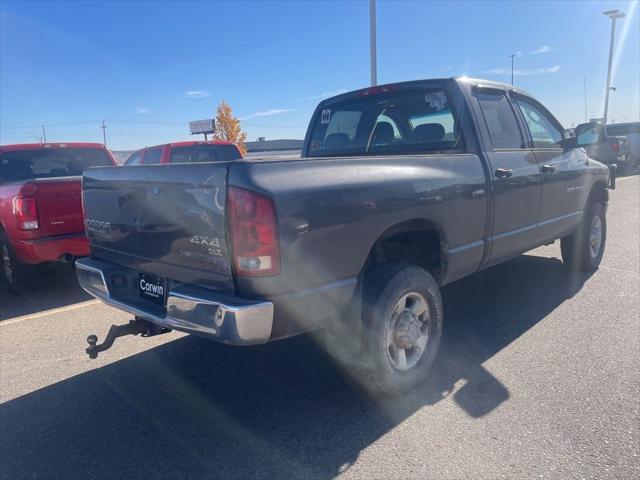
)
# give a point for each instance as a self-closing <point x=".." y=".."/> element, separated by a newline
<point x="40" y="205"/>
<point x="402" y="189"/>
<point x="610" y="149"/>
<point x="632" y="132"/>
<point x="185" y="152"/>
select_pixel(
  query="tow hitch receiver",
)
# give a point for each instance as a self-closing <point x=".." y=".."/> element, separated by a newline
<point x="137" y="326"/>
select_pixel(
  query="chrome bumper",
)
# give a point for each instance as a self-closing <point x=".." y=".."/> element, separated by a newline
<point x="189" y="309"/>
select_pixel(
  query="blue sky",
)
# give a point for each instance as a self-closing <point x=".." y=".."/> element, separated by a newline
<point x="148" y="68"/>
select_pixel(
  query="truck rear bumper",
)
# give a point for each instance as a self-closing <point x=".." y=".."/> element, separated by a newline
<point x="51" y="249"/>
<point x="188" y="309"/>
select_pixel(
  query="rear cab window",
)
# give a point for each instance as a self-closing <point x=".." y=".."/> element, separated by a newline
<point x="21" y="165"/>
<point x="134" y="159"/>
<point x="152" y="157"/>
<point x="405" y="120"/>
<point x="622" y="130"/>
<point x="204" y="153"/>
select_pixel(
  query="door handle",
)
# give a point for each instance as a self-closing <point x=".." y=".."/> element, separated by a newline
<point x="503" y="172"/>
<point x="548" y="168"/>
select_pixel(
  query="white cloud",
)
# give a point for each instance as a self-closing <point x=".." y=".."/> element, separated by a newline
<point x="543" y="49"/>
<point x="267" y="113"/>
<point x="522" y="73"/>
<point x="143" y="111"/>
<point x="196" y="94"/>
<point x="322" y="96"/>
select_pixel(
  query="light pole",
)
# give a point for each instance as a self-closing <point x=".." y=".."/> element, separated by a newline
<point x="372" y="39"/>
<point x="512" y="55"/>
<point x="613" y="15"/>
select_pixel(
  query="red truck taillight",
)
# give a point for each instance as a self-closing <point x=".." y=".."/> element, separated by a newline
<point x="254" y="233"/>
<point x="615" y="146"/>
<point x="25" y="210"/>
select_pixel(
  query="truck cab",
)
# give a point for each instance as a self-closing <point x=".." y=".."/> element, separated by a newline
<point x="185" y="152"/>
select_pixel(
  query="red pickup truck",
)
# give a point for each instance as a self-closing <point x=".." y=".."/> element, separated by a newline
<point x="185" y="152"/>
<point x="40" y="204"/>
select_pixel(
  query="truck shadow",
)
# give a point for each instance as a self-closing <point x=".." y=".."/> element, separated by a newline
<point x="53" y="286"/>
<point x="191" y="408"/>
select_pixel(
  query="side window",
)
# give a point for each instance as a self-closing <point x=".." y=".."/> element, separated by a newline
<point x="133" y="159"/>
<point x="500" y="120"/>
<point x="544" y="132"/>
<point x="152" y="157"/>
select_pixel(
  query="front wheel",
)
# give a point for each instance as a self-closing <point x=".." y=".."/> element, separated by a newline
<point x="402" y="316"/>
<point x="583" y="250"/>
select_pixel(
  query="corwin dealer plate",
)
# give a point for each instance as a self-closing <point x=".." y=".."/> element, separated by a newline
<point x="152" y="288"/>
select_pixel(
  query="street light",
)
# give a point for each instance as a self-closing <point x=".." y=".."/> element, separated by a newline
<point x="613" y="15"/>
<point x="512" y="55"/>
<point x="372" y="44"/>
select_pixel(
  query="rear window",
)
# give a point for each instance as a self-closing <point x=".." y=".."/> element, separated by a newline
<point x="416" y="120"/>
<point x="623" y="129"/>
<point x="48" y="163"/>
<point x="204" y="153"/>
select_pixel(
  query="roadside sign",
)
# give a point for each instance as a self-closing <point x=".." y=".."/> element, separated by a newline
<point x="202" y="126"/>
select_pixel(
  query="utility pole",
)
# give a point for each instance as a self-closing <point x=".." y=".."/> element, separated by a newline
<point x="512" y="56"/>
<point x="613" y="15"/>
<point x="104" y="133"/>
<point x="372" y="39"/>
<point x="44" y="134"/>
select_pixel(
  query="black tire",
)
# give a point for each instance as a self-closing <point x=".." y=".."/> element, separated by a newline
<point x="628" y="167"/>
<point x="578" y="251"/>
<point x="384" y="287"/>
<point x="15" y="273"/>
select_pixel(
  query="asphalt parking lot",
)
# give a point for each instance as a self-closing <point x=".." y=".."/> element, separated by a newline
<point x="538" y="376"/>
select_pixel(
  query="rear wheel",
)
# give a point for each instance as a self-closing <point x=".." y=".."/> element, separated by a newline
<point x="583" y="250"/>
<point x="402" y="314"/>
<point x="15" y="273"/>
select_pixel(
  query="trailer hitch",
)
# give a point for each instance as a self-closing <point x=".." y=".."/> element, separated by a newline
<point x="137" y="326"/>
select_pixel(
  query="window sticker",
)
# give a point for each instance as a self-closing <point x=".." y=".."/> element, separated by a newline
<point x="326" y="116"/>
<point x="437" y="100"/>
<point x="315" y="145"/>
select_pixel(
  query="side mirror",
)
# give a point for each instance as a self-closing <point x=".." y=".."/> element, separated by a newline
<point x="590" y="134"/>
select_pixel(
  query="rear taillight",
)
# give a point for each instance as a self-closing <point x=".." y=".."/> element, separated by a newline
<point x="254" y="233"/>
<point x="615" y="146"/>
<point x="25" y="210"/>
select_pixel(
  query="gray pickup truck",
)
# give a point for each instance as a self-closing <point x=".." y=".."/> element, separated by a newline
<point x="400" y="190"/>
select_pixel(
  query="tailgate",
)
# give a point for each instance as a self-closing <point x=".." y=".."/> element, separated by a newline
<point x="59" y="206"/>
<point x="167" y="220"/>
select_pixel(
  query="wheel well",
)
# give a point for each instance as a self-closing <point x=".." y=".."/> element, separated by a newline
<point x="415" y="242"/>
<point x="599" y="193"/>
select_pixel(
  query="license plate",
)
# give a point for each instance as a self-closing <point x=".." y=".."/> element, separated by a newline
<point x="152" y="288"/>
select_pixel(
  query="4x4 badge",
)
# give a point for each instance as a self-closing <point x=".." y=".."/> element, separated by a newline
<point x="200" y="240"/>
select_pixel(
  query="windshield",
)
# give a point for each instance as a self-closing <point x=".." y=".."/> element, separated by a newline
<point x="47" y="163"/>
<point x="419" y="120"/>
